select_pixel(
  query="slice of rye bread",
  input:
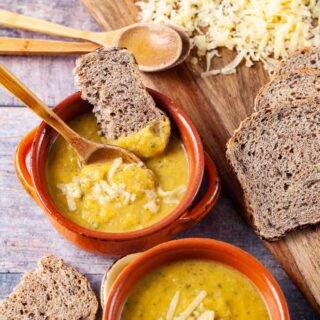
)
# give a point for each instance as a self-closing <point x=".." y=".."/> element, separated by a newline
<point x="305" y="58"/>
<point x="54" y="291"/>
<point x="275" y="155"/>
<point x="296" y="85"/>
<point x="110" y="80"/>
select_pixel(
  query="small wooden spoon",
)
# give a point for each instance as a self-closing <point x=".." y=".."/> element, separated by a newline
<point x="88" y="152"/>
<point x="156" y="46"/>
<point x="18" y="46"/>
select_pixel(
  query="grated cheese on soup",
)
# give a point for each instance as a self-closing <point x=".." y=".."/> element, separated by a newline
<point x="194" y="311"/>
<point x="113" y="183"/>
<point x="258" y="30"/>
<point x="192" y="306"/>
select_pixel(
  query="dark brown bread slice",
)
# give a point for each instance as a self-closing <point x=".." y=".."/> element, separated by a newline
<point x="110" y="80"/>
<point x="94" y="69"/>
<point x="296" y="85"/>
<point x="53" y="292"/>
<point x="305" y="58"/>
<point x="275" y="154"/>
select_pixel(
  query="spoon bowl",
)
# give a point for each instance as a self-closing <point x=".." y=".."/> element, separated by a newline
<point x="186" y="44"/>
<point x="88" y="152"/>
<point x="155" y="46"/>
<point x="100" y="153"/>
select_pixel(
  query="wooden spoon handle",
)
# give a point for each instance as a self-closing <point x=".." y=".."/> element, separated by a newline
<point x="19" y="90"/>
<point x="15" y="46"/>
<point x="18" y="21"/>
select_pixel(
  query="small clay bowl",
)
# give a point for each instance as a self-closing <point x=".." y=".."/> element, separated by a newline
<point x="38" y="142"/>
<point x="196" y="249"/>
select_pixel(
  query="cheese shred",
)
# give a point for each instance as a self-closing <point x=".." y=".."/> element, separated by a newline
<point x="194" y="311"/>
<point x="173" y="306"/>
<point x="192" y="306"/>
<point x="92" y="185"/>
<point x="258" y="30"/>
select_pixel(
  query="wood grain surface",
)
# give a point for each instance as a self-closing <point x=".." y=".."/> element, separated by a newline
<point x="217" y="105"/>
<point x="25" y="233"/>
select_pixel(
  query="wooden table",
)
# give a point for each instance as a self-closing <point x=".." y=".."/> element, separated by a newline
<point x="25" y="234"/>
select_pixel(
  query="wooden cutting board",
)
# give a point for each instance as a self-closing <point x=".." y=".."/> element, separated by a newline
<point x="217" y="105"/>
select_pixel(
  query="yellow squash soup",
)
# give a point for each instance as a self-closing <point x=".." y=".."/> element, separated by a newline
<point x="195" y="289"/>
<point x="147" y="142"/>
<point x="117" y="197"/>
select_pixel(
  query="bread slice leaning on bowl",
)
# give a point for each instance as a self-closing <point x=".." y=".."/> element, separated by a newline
<point x="109" y="79"/>
<point x="275" y="155"/>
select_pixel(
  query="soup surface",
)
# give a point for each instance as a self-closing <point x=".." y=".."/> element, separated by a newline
<point x="115" y="197"/>
<point x="195" y="289"/>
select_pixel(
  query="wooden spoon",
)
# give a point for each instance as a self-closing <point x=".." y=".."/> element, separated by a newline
<point x="186" y="44"/>
<point x="88" y="152"/>
<point x="18" y="46"/>
<point x="156" y="46"/>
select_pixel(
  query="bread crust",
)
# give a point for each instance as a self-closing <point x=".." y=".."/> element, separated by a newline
<point x="260" y="103"/>
<point x="287" y="65"/>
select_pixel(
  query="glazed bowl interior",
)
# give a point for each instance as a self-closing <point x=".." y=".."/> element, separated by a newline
<point x="196" y="249"/>
<point x="74" y="106"/>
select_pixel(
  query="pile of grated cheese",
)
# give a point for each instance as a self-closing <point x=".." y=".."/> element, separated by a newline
<point x="258" y="30"/>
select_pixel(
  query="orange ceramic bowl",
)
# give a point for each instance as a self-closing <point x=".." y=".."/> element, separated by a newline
<point x="38" y="142"/>
<point x="196" y="249"/>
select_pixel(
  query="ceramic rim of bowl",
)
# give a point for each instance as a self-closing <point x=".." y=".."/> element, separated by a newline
<point x="194" y="150"/>
<point x="197" y="248"/>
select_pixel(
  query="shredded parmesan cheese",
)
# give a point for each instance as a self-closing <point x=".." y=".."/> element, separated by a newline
<point x="173" y="306"/>
<point x="72" y="191"/>
<point x="194" y="311"/>
<point x="207" y="315"/>
<point x="97" y="185"/>
<point x="152" y="203"/>
<point x="192" y="306"/>
<point x="258" y="30"/>
<point x="102" y="191"/>
<point x="171" y="196"/>
<point x="115" y="166"/>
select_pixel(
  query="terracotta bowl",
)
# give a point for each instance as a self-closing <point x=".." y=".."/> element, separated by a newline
<point x="196" y="249"/>
<point x="38" y="142"/>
